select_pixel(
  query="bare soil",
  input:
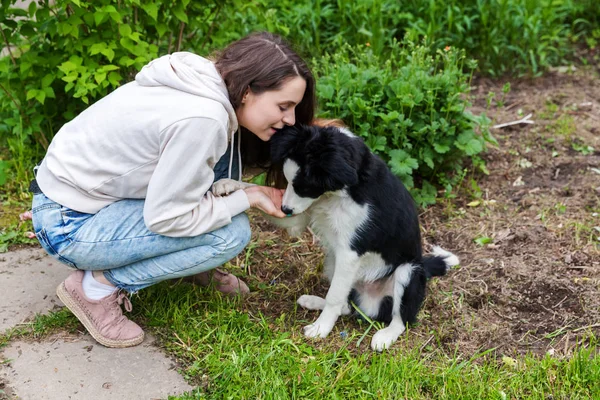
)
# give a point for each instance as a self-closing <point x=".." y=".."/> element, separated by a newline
<point x="535" y="287"/>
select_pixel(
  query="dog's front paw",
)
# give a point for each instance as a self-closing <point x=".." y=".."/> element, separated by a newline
<point x="311" y="302"/>
<point x="223" y="187"/>
<point x="384" y="338"/>
<point x="318" y="329"/>
<point x="296" y="231"/>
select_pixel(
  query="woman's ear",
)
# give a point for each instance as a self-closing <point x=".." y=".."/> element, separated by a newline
<point x="245" y="96"/>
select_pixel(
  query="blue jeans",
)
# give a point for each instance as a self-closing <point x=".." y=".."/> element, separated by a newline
<point x="116" y="240"/>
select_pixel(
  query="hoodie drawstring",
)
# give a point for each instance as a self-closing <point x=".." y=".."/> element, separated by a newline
<point x="231" y="154"/>
<point x="239" y="152"/>
<point x="239" y="146"/>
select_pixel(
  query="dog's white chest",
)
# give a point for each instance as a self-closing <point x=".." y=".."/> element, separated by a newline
<point x="337" y="218"/>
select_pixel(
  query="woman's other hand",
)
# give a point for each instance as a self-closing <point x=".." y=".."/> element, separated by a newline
<point x="266" y="199"/>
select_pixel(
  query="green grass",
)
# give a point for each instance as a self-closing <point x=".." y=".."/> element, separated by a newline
<point x="232" y="352"/>
<point x="12" y="229"/>
<point x="41" y="326"/>
<point x="228" y="349"/>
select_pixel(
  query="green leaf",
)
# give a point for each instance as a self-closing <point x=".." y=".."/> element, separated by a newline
<point x="49" y="92"/>
<point x="402" y="163"/>
<point x="109" y="53"/>
<point x="108" y="9"/>
<point x="99" y="17"/>
<point x="428" y="193"/>
<point x="32" y="9"/>
<point x="125" y="30"/>
<point x="482" y="241"/>
<point x="3" y="168"/>
<point x="47" y="80"/>
<point x="376" y="143"/>
<point x="99" y="77"/>
<point x="109" y="67"/>
<point x="180" y="14"/>
<point x="114" y="79"/>
<point x="152" y="10"/>
<point x="473" y="147"/>
<point x="97" y="48"/>
<point x="31" y="93"/>
<point x="40" y="96"/>
<point x="70" y="77"/>
<point x="24" y="67"/>
<point x="441" y="148"/>
<point x="326" y="91"/>
<point x="65" y="28"/>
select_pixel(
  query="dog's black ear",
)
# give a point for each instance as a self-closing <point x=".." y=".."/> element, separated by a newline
<point x="283" y="142"/>
<point x="337" y="172"/>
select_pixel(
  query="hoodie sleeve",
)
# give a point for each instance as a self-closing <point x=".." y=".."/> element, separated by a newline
<point x="178" y="202"/>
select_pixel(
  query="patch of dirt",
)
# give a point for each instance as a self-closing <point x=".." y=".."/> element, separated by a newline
<point x="536" y="286"/>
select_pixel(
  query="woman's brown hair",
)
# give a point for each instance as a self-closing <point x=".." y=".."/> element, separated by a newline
<point x="261" y="62"/>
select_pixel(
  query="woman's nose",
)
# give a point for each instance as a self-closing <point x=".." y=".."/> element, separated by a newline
<point x="289" y="118"/>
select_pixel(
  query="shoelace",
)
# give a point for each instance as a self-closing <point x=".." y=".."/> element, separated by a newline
<point x="123" y="298"/>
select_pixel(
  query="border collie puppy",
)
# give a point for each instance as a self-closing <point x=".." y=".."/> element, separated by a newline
<point x="367" y="223"/>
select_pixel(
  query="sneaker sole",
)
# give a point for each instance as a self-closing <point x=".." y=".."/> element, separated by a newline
<point x="73" y="306"/>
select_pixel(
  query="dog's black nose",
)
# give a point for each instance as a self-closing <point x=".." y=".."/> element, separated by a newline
<point x="286" y="210"/>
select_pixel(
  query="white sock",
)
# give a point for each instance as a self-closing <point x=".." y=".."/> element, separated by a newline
<point x="95" y="290"/>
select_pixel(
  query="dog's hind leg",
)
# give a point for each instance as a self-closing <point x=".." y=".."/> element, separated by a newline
<point x="384" y="338"/>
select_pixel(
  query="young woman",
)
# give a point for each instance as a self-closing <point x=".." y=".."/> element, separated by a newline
<point x="123" y="193"/>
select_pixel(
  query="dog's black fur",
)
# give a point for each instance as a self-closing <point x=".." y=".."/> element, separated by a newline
<point x="331" y="160"/>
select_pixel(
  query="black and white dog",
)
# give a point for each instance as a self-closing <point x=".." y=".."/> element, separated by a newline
<point x="367" y="223"/>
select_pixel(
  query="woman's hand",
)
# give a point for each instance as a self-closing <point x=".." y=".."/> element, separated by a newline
<point x="266" y="199"/>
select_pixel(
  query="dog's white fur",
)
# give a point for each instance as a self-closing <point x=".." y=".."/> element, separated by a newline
<point x="335" y="217"/>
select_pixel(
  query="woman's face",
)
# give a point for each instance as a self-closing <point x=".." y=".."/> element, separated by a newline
<point x="263" y="113"/>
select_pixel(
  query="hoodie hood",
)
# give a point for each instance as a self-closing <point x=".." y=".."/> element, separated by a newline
<point x="189" y="73"/>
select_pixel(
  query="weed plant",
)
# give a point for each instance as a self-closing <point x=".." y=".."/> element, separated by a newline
<point x="410" y="108"/>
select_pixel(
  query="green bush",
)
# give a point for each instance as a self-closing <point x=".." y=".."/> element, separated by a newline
<point x="408" y="101"/>
<point x="64" y="57"/>
<point x="410" y="107"/>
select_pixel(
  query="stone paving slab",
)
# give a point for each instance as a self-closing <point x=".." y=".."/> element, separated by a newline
<point x="67" y="366"/>
<point x="28" y="278"/>
<point x="76" y="367"/>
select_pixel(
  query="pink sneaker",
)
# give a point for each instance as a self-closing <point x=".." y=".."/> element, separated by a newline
<point x="224" y="282"/>
<point x="103" y="318"/>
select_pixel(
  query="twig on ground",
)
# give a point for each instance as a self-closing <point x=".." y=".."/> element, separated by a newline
<point x="525" y="120"/>
<point x="513" y="105"/>
<point x="426" y="343"/>
<point x="586" y="327"/>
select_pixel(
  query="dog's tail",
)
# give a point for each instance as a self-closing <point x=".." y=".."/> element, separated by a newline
<point x="439" y="262"/>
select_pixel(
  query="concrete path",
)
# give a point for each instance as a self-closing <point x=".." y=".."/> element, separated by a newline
<point x="69" y="366"/>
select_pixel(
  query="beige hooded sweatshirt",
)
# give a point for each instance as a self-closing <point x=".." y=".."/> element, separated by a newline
<point x="157" y="138"/>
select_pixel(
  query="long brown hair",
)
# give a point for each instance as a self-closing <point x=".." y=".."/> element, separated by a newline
<point x="261" y="62"/>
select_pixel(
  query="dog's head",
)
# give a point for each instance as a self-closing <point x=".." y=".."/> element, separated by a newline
<point x="316" y="160"/>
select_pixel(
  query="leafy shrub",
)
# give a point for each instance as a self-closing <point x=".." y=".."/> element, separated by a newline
<point x="410" y="107"/>
<point x="408" y="102"/>
<point x="63" y="57"/>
